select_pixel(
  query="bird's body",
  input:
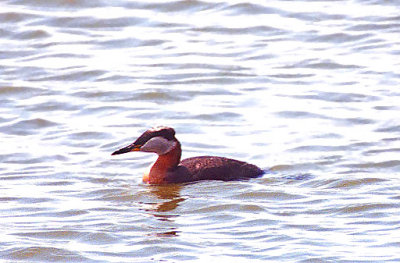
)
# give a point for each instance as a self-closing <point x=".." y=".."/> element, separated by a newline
<point x="169" y="169"/>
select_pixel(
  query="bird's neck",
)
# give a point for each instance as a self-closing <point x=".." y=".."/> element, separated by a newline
<point x="164" y="163"/>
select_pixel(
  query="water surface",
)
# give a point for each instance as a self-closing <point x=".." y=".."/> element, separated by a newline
<point x="305" y="89"/>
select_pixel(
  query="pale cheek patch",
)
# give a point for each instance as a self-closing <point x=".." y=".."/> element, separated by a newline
<point x="158" y="145"/>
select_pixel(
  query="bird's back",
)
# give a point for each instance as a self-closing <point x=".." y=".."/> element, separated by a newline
<point x="217" y="168"/>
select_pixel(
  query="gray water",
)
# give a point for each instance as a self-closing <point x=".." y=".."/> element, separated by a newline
<point x="308" y="90"/>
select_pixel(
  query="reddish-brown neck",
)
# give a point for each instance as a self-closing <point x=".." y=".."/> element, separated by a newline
<point x="158" y="171"/>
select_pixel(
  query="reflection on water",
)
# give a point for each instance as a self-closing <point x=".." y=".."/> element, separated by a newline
<point x="169" y="193"/>
<point x="306" y="89"/>
<point x="169" y="199"/>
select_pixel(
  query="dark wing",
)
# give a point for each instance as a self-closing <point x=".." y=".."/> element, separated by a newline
<point x="218" y="168"/>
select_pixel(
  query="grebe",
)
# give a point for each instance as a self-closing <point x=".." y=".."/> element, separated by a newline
<point x="168" y="168"/>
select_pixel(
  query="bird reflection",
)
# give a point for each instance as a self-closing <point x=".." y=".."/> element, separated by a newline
<point x="171" y="195"/>
<point x="170" y="191"/>
<point x="170" y="198"/>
